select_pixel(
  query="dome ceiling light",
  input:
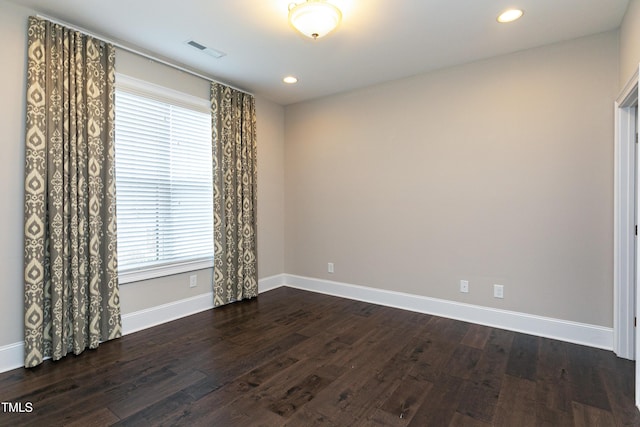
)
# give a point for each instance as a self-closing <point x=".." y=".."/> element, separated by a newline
<point x="314" y="18"/>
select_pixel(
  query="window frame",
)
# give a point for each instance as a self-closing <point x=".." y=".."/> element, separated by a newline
<point x="159" y="93"/>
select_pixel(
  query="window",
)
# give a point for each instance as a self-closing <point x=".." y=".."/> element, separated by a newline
<point x="163" y="181"/>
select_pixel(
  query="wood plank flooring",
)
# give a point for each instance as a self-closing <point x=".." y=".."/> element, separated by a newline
<point x="295" y="358"/>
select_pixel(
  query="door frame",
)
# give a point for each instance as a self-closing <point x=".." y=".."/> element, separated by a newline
<point x="625" y="340"/>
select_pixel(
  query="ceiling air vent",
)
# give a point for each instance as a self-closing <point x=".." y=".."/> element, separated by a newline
<point x="202" y="48"/>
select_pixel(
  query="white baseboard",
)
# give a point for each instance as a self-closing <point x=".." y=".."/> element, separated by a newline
<point x="158" y="315"/>
<point x="271" y="282"/>
<point x="150" y="317"/>
<point x="143" y="319"/>
<point x="11" y="356"/>
<point x="574" y="332"/>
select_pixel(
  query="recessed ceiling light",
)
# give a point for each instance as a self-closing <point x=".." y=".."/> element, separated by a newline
<point x="510" y="15"/>
<point x="290" y="80"/>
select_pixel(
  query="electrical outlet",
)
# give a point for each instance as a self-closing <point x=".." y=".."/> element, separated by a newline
<point x="498" y="291"/>
<point x="330" y="267"/>
<point x="193" y="280"/>
<point x="464" y="286"/>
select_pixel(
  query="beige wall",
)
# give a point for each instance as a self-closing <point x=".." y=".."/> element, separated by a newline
<point x="12" y="118"/>
<point x="498" y="171"/>
<point x="630" y="42"/>
<point x="270" y="188"/>
<point x="270" y="124"/>
<point x="134" y="296"/>
<point x="495" y="172"/>
<point x="150" y="293"/>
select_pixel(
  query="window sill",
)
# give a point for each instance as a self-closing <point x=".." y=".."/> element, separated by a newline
<point x="162" y="271"/>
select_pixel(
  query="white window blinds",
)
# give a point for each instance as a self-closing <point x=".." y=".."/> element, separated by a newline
<point x="163" y="181"/>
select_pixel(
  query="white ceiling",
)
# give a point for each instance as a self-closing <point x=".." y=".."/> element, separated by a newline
<point x="377" y="41"/>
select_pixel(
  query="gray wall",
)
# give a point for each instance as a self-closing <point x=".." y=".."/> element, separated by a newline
<point x="134" y="296"/>
<point x="499" y="171"/>
<point x="151" y="293"/>
<point x="630" y="42"/>
<point x="12" y="119"/>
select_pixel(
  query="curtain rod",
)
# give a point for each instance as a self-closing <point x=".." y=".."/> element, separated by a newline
<point x="138" y="52"/>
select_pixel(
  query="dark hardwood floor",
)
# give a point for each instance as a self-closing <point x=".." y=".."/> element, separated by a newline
<point x="302" y="359"/>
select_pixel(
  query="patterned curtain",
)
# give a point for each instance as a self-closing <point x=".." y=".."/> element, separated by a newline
<point x="71" y="283"/>
<point x="233" y="116"/>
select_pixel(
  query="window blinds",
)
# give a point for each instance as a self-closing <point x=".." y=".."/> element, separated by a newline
<point x="163" y="182"/>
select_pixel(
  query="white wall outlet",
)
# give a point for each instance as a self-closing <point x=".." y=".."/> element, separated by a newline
<point x="498" y="291"/>
<point x="330" y="267"/>
<point x="464" y="286"/>
<point x="193" y="280"/>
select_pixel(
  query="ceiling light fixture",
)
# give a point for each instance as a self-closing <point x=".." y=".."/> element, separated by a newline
<point x="510" y="15"/>
<point x="290" y="80"/>
<point x="314" y="18"/>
